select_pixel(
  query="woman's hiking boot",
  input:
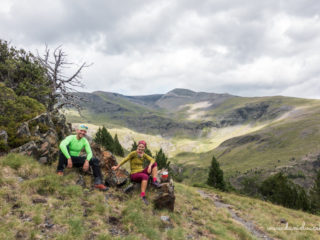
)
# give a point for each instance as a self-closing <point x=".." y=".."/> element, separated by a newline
<point x="144" y="199"/>
<point x="156" y="184"/>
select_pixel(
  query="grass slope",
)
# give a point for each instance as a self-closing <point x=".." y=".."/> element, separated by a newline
<point x="38" y="204"/>
<point x="284" y="142"/>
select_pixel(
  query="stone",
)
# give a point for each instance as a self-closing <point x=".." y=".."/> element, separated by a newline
<point x="29" y="149"/>
<point x="39" y="200"/>
<point x="165" y="198"/>
<point x="43" y="118"/>
<point x="43" y="160"/>
<point x="107" y="161"/>
<point x="116" y="178"/>
<point x="44" y="146"/>
<point x="23" y="130"/>
<point x="165" y="218"/>
<point x="282" y="220"/>
<point x="4" y="136"/>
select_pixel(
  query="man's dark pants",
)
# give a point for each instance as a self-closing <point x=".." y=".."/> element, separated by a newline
<point x="78" y="162"/>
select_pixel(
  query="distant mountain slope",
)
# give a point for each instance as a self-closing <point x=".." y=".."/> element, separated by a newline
<point x="259" y="135"/>
<point x="181" y="112"/>
<point x="289" y="144"/>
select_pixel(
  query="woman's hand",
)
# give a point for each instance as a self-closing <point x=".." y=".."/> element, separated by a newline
<point x="149" y="169"/>
<point x="115" y="167"/>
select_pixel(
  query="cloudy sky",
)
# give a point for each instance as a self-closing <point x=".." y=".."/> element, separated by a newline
<point x="241" y="47"/>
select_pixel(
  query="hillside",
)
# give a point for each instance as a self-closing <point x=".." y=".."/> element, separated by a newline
<point x="249" y="136"/>
<point x="180" y="112"/>
<point x="289" y="144"/>
<point x="38" y="204"/>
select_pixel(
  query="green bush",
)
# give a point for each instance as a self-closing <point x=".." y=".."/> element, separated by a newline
<point x="13" y="111"/>
<point x="280" y="190"/>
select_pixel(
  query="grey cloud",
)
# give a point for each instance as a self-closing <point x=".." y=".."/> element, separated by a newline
<point x="203" y="45"/>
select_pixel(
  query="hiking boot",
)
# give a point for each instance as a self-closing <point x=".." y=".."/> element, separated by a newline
<point x="100" y="187"/>
<point x="60" y="173"/>
<point x="156" y="184"/>
<point x="144" y="199"/>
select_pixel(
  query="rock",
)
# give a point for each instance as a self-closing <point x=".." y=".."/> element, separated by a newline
<point x="4" y="137"/>
<point x="44" y="119"/>
<point x="165" y="218"/>
<point x="63" y="128"/>
<point x="116" y="178"/>
<point x="282" y="220"/>
<point x="165" y="198"/>
<point x="166" y="222"/>
<point x="107" y="161"/>
<point x="29" y="149"/>
<point x="46" y="130"/>
<point x="129" y="188"/>
<point x="39" y="200"/>
<point x="81" y="181"/>
<point x="43" y="160"/>
<point x="23" y="130"/>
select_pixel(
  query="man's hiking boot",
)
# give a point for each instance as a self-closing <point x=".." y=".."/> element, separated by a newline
<point x="144" y="199"/>
<point x="156" y="184"/>
<point x="60" y="173"/>
<point x="100" y="187"/>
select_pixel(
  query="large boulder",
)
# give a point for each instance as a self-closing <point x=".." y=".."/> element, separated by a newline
<point x="163" y="197"/>
<point x="107" y="161"/>
<point x="29" y="149"/>
<point x="45" y="132"/>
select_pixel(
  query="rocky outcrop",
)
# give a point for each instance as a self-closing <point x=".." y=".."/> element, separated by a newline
<point x="163" y="197"/>
<point x="107" y="161"/>
<point x="44" y="131"/>
<point x="254" y="112"/>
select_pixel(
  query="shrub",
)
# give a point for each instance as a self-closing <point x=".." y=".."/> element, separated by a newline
<point x="280" y="190"/>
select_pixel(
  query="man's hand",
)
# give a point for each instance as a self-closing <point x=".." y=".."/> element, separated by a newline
<point x="85" y="166"/>
<point x="69" y="163"/>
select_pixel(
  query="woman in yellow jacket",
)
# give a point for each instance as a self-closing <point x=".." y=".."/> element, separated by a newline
<point x="138" y="174"/>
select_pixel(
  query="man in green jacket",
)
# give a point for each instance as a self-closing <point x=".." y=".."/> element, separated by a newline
<point x="70" y="149"/>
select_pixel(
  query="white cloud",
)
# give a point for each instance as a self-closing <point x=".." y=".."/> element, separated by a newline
<point x="242" y="47"/>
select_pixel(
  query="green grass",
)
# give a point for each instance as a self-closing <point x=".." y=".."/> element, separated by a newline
<point x="84" y="213"/>
<point x="294" y="137"/>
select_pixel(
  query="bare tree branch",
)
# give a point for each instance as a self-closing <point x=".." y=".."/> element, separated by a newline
<point x="63" y="93"/>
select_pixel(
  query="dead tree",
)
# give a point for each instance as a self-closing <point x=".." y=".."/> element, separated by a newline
<point x="62" y="87"/>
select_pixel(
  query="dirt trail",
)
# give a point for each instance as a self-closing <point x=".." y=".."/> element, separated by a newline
<point x="250" y="226"/>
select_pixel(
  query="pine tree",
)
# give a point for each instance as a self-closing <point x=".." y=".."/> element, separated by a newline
<point x="104" y="138"/>
<point x="134" y="146"/>
<point x="315" y="195"/>
<point x="215" y="177"/>
<point x="98" y="137"/>
<point x="148" y="152"/>
<point x="162" y="160"/>
<point x="279" y="189"/>
<point x="118" y="150"/>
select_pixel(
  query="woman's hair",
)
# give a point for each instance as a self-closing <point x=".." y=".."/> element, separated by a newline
<point x="143" y="143"/>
